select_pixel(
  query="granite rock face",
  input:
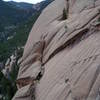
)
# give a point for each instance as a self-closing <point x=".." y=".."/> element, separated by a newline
<point x="61" y="59"/>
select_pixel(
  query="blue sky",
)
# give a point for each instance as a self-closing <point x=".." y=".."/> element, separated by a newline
<point x="29" y="1"/>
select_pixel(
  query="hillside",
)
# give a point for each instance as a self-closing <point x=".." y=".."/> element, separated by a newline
<point x="17" y="40"/>
<point x="10" y="15"/>
<point x="16" y="25"/>
<point x="61" y="59"/>
<point x="12" y="40"/>
<point x="22" y="5"/>
<point x="10" y="18"/>
<point x="13" y="13"/>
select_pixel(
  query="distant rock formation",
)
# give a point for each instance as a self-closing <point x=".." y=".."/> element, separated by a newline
<point x="11" y="63"/>
<point x="61" y="59"/>
<point x="9" y="66"/>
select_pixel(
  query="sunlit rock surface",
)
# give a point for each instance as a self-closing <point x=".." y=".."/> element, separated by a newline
<point x="61" y="59"/>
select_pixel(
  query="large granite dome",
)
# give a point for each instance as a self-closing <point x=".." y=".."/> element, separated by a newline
<point x="61" y="59"/>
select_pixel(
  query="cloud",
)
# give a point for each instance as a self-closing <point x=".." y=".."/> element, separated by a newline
<point x="29" y="1"/>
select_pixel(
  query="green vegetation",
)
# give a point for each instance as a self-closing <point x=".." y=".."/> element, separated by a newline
<point x="11" y="15"/>
<point x="15" y="23"/>
<point x="64" y="17"/>
<point x="8" y="86"/>
<point x="19" y="39"/>
<point x="66" y="11"/>
<point x="8" y="83"/>
<point x="15" y="26"/>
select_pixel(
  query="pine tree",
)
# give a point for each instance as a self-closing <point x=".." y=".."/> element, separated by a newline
<point x="64" y="14"/>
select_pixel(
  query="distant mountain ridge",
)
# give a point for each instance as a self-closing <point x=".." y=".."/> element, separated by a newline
<point x="21" y="5"/>
<point x="15" y="21"/>
<point x="27" y="6"/>
<point x="11" y="15"/>
<point x="13" y="12"/>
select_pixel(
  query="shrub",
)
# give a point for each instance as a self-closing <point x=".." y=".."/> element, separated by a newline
<point x="64" y="16"/>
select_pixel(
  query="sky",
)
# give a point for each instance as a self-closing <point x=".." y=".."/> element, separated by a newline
<point x="29" y="1"/>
